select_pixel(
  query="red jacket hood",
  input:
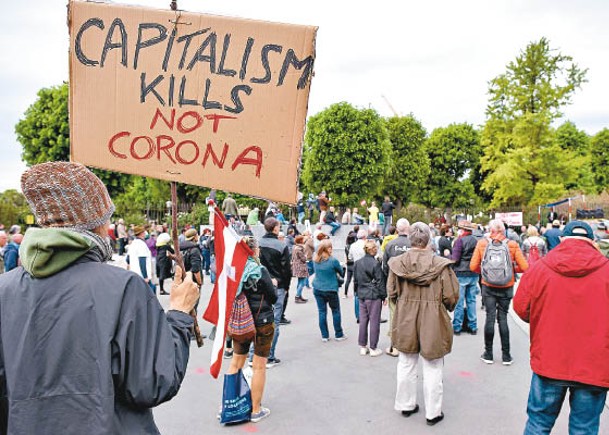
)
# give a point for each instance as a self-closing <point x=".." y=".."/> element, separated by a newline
<point x="572" y="257"/>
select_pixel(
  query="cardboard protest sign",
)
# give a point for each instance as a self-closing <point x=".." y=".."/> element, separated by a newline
<point x="206" y="100"/>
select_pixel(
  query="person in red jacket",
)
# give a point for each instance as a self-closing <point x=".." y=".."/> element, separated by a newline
<point x="565" y="298"/>
<point x="497" y="298"/>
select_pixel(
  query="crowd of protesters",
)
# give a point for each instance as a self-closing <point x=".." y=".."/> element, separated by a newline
<point x="423" y="272"/>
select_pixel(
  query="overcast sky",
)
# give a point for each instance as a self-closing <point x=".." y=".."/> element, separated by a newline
<point x="429" y="58"/>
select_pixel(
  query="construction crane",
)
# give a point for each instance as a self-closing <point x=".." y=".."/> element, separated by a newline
<point x="390" y="106"/>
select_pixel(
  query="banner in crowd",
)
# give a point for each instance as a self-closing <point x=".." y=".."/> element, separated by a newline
<point x="513" y="219"/>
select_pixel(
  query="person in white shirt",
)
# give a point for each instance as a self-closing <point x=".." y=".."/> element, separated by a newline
<point x="139" y="257"/>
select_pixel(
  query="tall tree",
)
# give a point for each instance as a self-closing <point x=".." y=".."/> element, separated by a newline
<point x="522" y="160"/>
<point x="44" y="133"/>
<point x="454" y="153"/>
<point x="409" y="167"/>
<point x="13" y="207"/>
<point x="575" y="144"/>
<point x="347" y="153"/>
<point x="599" y="147"/>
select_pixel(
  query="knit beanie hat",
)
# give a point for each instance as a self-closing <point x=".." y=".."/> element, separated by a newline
<point x="66" y="194"/>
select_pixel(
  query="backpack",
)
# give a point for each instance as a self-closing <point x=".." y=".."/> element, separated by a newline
<point x="533" y="254"/>
<point x="497" y="268"/>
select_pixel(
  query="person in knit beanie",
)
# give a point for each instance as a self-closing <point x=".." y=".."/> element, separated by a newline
<point x="98" y="349"/>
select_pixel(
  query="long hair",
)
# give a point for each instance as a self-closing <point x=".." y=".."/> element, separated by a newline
<point x="323" y="251"/>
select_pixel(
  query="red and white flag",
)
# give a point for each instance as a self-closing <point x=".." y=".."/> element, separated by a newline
<point x="231" y="255"/>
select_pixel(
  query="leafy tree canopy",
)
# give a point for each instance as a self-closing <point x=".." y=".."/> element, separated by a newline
<point x="409" y="167"/>
<point x="523" y="161"/>
<point x="44" y="133"/>
<point x="599" y="150"/>
<point x="347" y="153"/>
<point x="454" y="152"/>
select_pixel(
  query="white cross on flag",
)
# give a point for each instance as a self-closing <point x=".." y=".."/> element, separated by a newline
<point x="231" y="255"/>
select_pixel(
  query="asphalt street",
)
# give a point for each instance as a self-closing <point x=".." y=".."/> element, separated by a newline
<point x="328" y="388"/>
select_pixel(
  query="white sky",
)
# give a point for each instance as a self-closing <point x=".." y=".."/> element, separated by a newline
<point x="430" y="58"/>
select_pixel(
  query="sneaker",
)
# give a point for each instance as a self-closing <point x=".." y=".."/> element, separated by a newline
<point x="435" y="420"/>
<point x="300" y="300"/>
<point x="264" y="413"/>
<point x="376" y="352"/>
<point x="272" y="363"/>
<point x="456" y="332"/>
<point x="325" y="340"/>
<point x="392" y="351"/>
<point x="412" y="411"/>
<point x="487" y="357"/>
<point x="473" y="332"/>
<point x="363" y="351"/>
<point x="507" y="359"/>
<point x="228" y="353"/>
<point x="341" y="338"/>
<point x="284" y="321"/>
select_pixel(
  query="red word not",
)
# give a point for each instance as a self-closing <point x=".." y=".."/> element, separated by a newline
<point x="188" y="121"/>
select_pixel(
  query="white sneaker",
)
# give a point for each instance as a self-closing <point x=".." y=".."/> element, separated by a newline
<point x="363" y="351"/>
<point x="376" y="352"/>
<point x="342" y="338"/>
<point x="324" y="340"/>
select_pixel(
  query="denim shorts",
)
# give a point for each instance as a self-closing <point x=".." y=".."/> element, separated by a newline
<point x="262" y="342"/>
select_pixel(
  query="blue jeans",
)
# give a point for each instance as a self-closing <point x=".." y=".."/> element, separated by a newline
<point x="545" y="401"/>
<point x="277" y="312"/>
<point x="300" y="286"/>
<point x="323" y="299"/>
<point x="468" y="289"/>
<point x="206" y="260"/>
<point x="335" y="226"/>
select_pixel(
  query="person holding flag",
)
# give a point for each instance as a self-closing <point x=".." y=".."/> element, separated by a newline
<point x="257" y="285"/>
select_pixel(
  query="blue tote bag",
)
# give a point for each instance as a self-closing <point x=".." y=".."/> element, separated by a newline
<point x="236" y="399"/>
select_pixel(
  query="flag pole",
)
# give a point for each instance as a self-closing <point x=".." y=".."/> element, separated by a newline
<point x="178" y="255"/>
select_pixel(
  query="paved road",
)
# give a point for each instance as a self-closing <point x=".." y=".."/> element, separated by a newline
<point x="328" y="388"/>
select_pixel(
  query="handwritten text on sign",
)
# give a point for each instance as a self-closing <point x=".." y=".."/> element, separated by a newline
<point x="212" y="101"/>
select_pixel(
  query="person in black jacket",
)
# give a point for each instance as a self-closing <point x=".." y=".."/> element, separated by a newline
<point x="275" y="257"/>
<point x="368" y="278"/>
<point x="86" y="346"/>
<point x="462" y="254"/>
<point x="257" y="285"/>
<point x="193" y="261"/>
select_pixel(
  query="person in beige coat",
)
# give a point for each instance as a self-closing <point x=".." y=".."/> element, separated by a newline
<point x="424" y="288"/>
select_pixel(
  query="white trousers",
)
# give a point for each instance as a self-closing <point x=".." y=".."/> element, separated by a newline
<point x="406" y="395"/>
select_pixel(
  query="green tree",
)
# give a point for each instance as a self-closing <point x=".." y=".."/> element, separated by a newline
<point x="576" y="144"/>
<point x="599" y="147"/>
<point x="44" y="133"/>
<point x="409" y="167"/>
<point x="523" y="162"/>
<point x="454" y="153"/>
<point x="13" y="207"/>
<point x="347" y="153"/>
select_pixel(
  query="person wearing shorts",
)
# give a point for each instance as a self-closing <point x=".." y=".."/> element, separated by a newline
<point x="257" y="285"/>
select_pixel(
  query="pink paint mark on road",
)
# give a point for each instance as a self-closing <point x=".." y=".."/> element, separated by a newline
<point x="200" y="370"/>
<point x="466" y="374"/>
<point x="250" y="428"/>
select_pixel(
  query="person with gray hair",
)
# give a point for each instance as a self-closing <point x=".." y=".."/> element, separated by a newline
<point x="497" y="298"/>
<point x="395" y="247"/>
<point x="424" y="288"/>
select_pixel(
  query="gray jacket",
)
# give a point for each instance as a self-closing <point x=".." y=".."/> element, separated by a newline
<point x="86" y="348"/>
